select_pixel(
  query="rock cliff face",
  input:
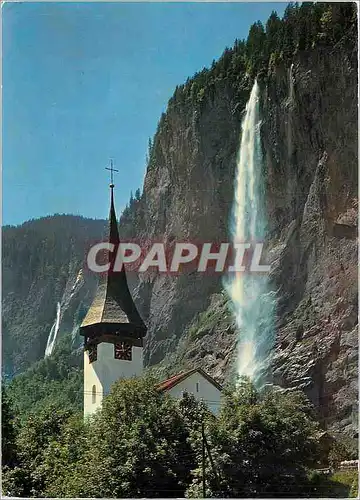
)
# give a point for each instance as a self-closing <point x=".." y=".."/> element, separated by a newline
<point x="309" y="136"/>
<point x="310" y="144"/>
<point x="188" y="196"/>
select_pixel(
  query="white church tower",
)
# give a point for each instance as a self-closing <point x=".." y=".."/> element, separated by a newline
<point x="113" y="330"/>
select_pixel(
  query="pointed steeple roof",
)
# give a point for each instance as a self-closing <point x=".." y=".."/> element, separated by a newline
<point x="113" y="303"/>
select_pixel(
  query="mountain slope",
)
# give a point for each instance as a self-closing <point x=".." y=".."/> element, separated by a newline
<point x="43" y="264"/>
<point x="307" y="69"/>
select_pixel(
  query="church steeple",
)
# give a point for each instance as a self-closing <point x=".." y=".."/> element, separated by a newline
<point x="113" y="304"/>
<point x="112" y="328"/>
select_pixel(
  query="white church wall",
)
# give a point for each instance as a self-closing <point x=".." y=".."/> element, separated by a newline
<point x="103" y="372"/>
<point x="91" y="380"/>
<point x="201" y="388"/>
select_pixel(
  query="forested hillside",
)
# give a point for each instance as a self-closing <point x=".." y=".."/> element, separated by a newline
<point x="56" y="380"/>
<point x="43" y="263"/>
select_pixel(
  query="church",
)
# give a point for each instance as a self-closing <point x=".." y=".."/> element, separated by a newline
<point x="114" y="333"/>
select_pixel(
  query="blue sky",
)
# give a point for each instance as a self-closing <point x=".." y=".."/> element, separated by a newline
<point x="83" y="82"/>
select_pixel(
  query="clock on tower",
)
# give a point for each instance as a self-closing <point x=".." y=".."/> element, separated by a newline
<point x="123" y="351"/>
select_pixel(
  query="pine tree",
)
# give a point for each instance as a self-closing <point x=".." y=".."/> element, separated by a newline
<point x="8" y="432"/>
<point x="273" y="31"/>
<point x="255" y="44"/>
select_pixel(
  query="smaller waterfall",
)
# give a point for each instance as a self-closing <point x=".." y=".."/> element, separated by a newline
<point x="53" y="333"/>
<point x="290" y="106"/>
<point x="289" y="134"/>
<point x="291" y="83"/>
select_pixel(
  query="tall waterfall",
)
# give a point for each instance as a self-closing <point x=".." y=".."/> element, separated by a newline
<point x="253" y="302"/>
<point x="53" y="333"/>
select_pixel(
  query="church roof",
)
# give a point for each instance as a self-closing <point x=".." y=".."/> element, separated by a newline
<point x="171" y="382"/>
<point x="113" y="302"/>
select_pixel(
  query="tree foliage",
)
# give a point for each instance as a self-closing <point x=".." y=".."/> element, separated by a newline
<point x="143" y="443"/>
<point x="138" y="445"/>
<point x="55" y="380"/>
<point x="8" y="434"/>
<point x="39" y="454"/>
<point x="262" y="445"/>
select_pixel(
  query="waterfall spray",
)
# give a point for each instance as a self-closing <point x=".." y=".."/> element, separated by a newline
<point x="53" y="333"/>
<point x="253" y="302"/>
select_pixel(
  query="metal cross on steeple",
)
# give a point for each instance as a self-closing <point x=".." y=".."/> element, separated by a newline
<point x="112" y="170"/>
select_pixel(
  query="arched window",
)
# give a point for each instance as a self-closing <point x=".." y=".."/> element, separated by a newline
<point x="94" y="394"/>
